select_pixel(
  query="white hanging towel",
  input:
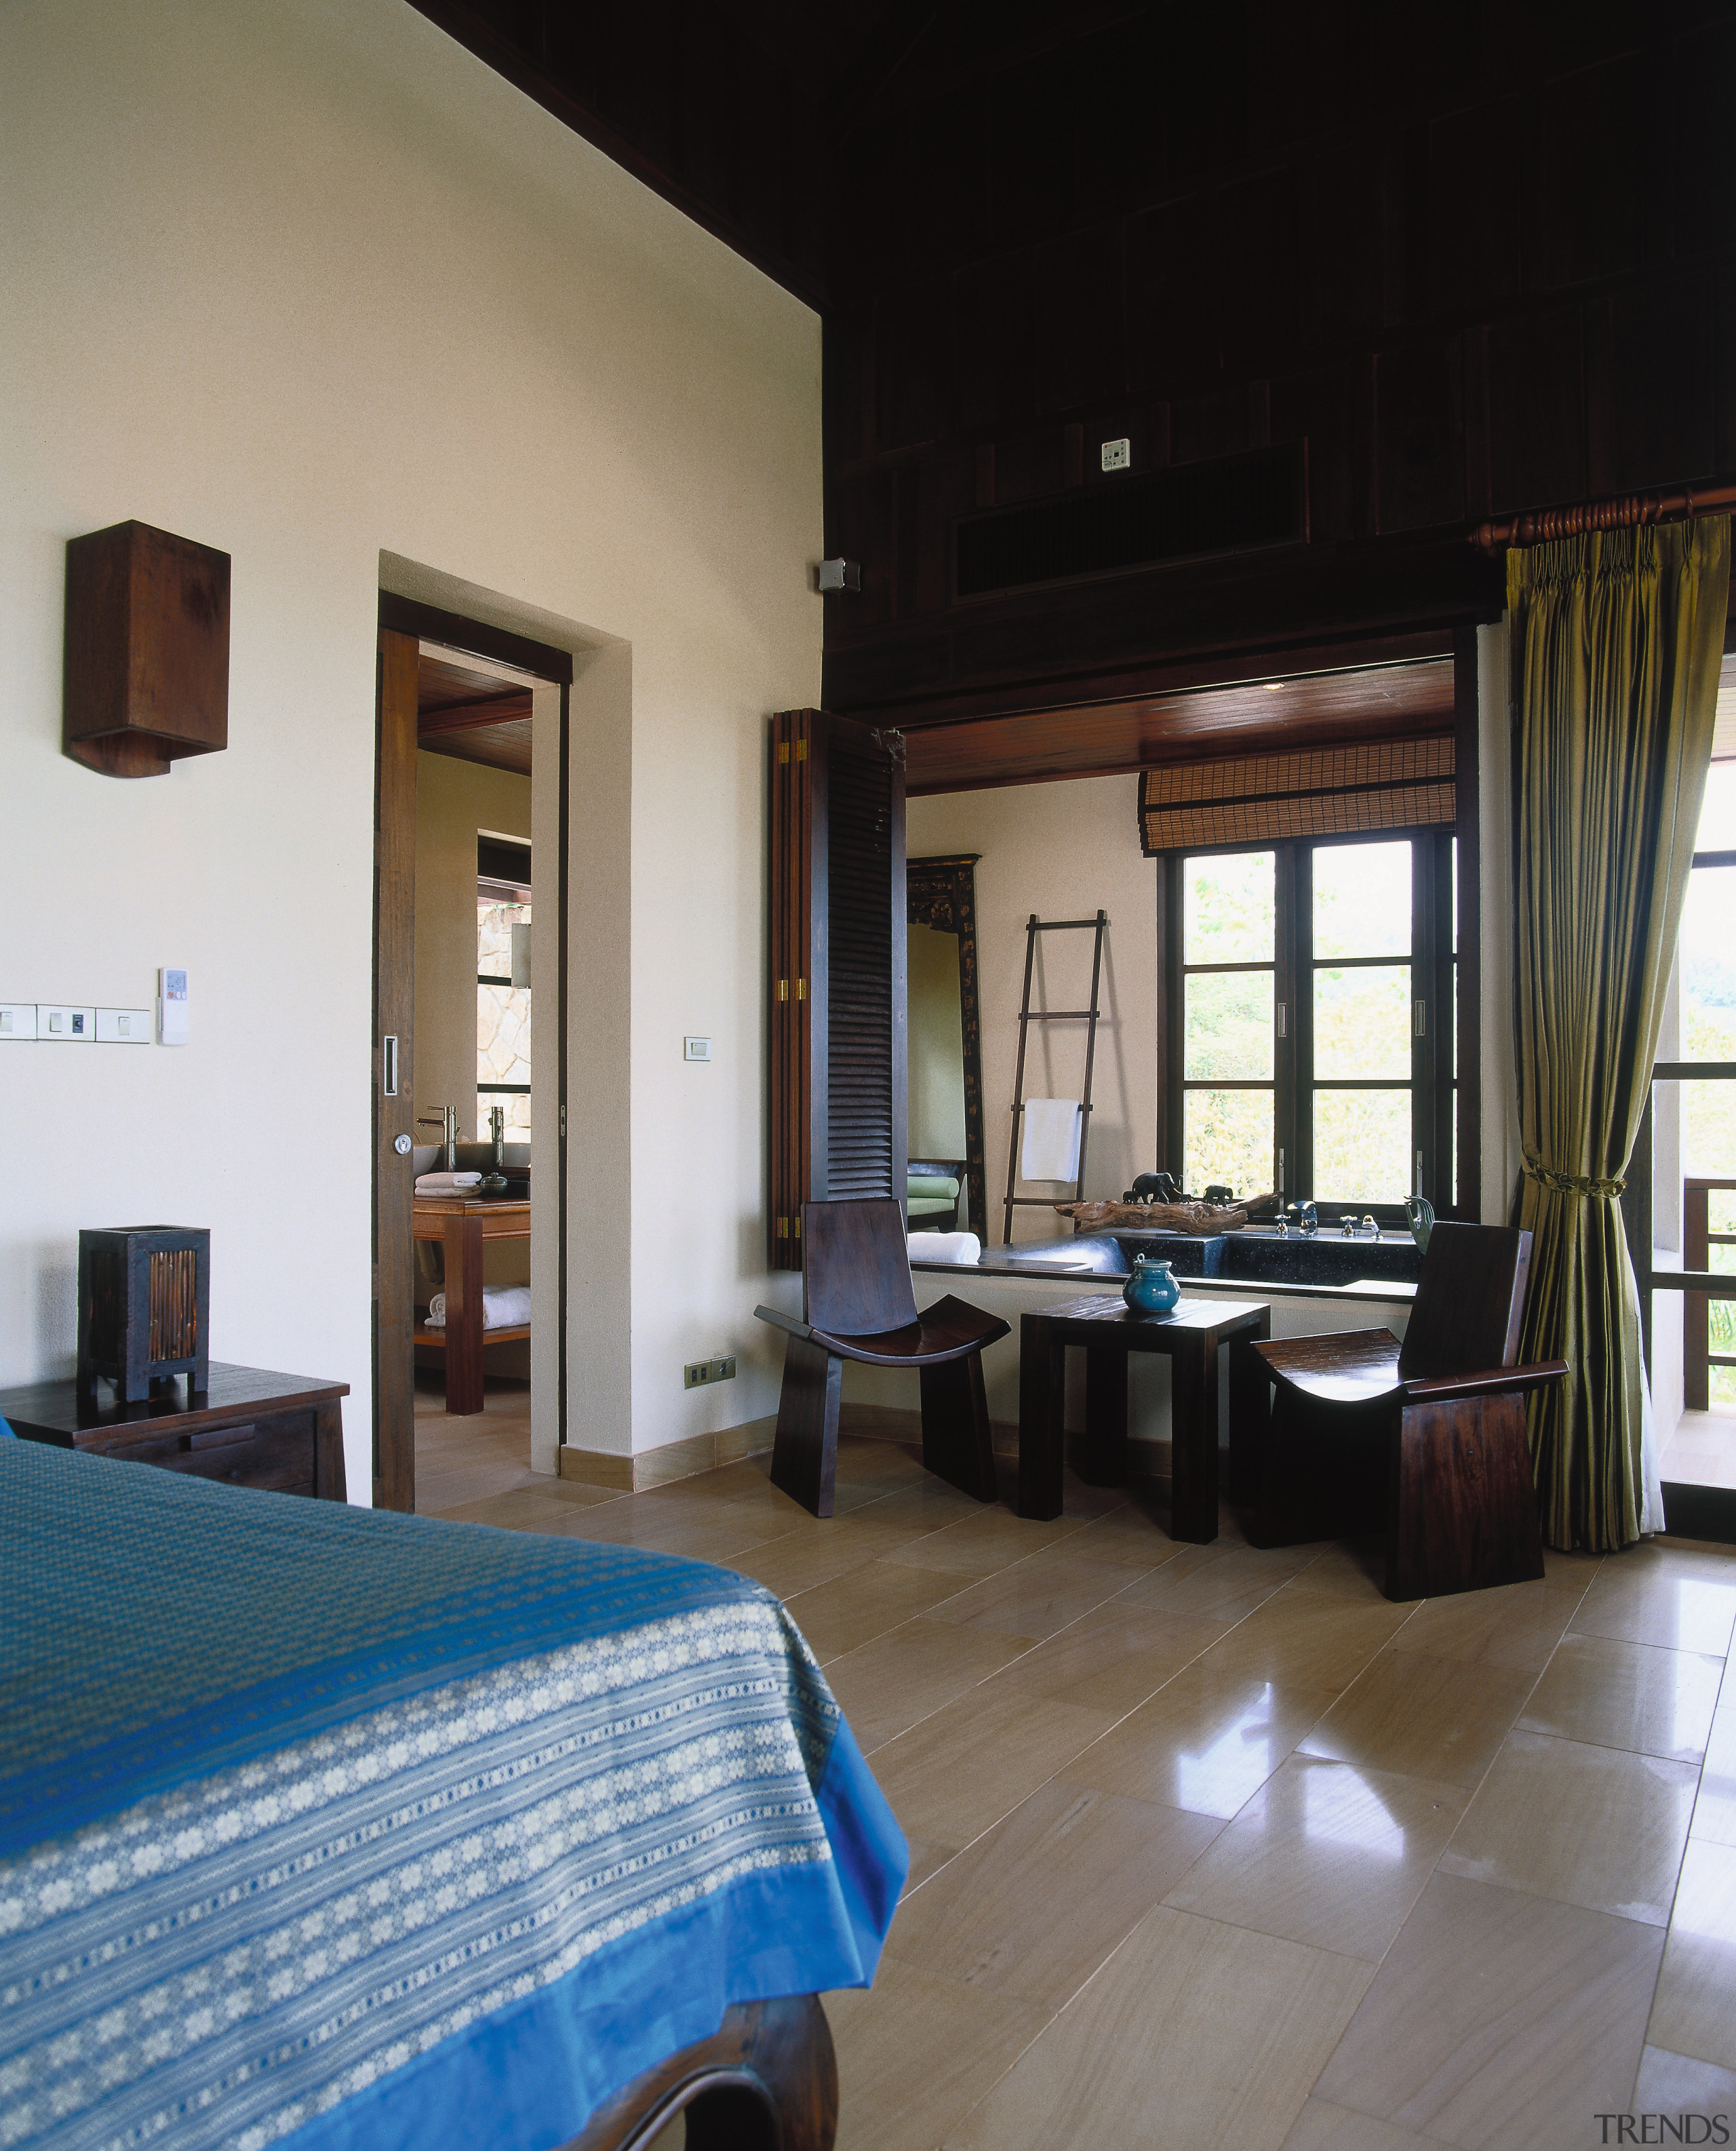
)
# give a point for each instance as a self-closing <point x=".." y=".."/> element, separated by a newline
<point x="1050" y="1150"/>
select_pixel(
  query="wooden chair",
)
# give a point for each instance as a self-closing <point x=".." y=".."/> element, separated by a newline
<point x="859" y="1305"/>
<point x="1427" y="1437"/>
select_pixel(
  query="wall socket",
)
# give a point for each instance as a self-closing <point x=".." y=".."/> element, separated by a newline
<point x="1117" y="454"/>
<point x="701" y="1371"/>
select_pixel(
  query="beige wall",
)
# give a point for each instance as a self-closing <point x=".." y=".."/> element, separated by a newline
<point x="1065" y="851"/>
<point x="453" y="801"/>
<point x="301" y="280"/>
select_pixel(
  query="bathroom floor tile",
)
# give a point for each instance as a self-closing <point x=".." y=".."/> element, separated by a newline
<point x="1414" y="1717"/>
<point x="1034" y="1907"/>
<point x="916" y="2052"/>
<point x="1695" y="2012"/>
<point x="1205" y="1742"/>
<point x="1230" y="2029"/>
<point x="1326" y="1854"/>
<point x="1627" y="1695"/>
<point x="1617" y="1825"/>
<point x="1499" y="2019"/>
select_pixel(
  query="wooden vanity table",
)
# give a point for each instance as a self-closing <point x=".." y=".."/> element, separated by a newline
<point x="461" y="1226"/>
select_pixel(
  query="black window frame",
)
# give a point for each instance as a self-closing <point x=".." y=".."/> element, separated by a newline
<point x="1434" y="1082"/>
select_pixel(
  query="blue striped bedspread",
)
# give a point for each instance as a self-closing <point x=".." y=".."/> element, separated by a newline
<point x="327" y="1828"/>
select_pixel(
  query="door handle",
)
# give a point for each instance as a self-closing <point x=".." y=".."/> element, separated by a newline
<point x="388" y="1066"/>
<point x="403" y="1145"/>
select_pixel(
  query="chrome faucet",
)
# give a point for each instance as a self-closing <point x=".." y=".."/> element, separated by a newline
<point x="1346" y="1227"/>
<point x="1370" y="1227"/>
<point x="448" y="1124"/>
<point x="1305" y="1218"/>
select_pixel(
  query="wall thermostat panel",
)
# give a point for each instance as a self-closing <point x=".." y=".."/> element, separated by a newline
<point x="123" y="1026"/>
<point x="76" y="1026"/>
<point x="172" y="1007"/>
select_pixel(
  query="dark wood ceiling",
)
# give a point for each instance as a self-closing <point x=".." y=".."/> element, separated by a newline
<point x="1036" y="746"/>
<point x="472" y="715"/>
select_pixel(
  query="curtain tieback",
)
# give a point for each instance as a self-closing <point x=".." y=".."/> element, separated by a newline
<point x="1572" y="1183"/>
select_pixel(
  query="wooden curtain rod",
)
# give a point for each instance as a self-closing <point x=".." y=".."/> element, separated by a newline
<point x="1620" y="514"/>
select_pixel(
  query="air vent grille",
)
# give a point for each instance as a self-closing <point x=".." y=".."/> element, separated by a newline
<point x="1230" y="504"/>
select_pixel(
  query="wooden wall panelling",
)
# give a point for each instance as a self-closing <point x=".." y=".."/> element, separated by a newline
<point x="1419" y="473"/>
<point x="863" y="526"/>
<point x="1649" y="397"/>
<point x="944" y="207"/>
<point x="1079" y="356"/>
<point x="1592" y="178"/>
<point x="1031" y="150"/>
<point x="1170" y="294"/>
<point x="1537" y="410"/>
<point x="1258" y="249"/>
<point x="1724" y="384"/>
<point x="1702" y="189"/>
<point x="913" y="363"/>
<point x="1342" y="294"/>
<point x="996" y="348"/>
<point x="1474" y="235"/>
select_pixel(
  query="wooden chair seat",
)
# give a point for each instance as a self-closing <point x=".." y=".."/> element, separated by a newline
<point x="859" y="1304"/>
<point x="1426" y="1438"/>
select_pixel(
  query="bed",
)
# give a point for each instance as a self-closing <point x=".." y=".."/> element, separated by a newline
<point x="330" y="1828"/>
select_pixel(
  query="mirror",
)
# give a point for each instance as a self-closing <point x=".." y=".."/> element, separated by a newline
<point x="945" y="1034"/>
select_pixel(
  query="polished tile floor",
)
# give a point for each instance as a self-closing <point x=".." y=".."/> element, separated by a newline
<point x="1213" y="1845"/>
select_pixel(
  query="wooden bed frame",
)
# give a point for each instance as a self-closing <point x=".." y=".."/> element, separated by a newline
<point x="767" y="2081"/>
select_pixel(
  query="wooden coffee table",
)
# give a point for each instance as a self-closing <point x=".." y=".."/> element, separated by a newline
<point x="1189" y="1336"/>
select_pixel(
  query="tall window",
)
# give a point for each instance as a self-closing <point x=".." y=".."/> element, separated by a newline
<point x="1314" y="1048"/>
<point x="1708" y="1101"/>
<point x="503" y="1009"/>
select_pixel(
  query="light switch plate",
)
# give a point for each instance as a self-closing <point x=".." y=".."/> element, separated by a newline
<point x="123" y="1026"/>
<point x="1117" y="455"/>
<point x="58" y="1021"/>
<point x="697" y="1049"/>
<point x="18" y="1019"/>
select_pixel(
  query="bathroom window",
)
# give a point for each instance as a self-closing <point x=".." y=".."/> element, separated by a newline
<point x="503" y="1009"/>
<point x="1311" y="1048"/>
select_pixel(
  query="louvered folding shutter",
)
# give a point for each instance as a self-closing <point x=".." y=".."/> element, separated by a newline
<point x="837" y="1038"/>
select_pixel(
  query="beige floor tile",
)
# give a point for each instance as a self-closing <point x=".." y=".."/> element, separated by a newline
<point x="1678" y="1600"/>
<point x="1627" y="1695"/>
<point x="1676" y="2084"/>
<point x="1695" y="2012"/>
<point x="1308" y="1638"/>
<point x="956" y="1774"/>
<point x="1350" y="1568"/>
<point x="1325" y="1854"/>
<point x="1715" y="1814"/>
<point x="1498" y="2020"/>
<point x="1130" y="1537"/>
<point x="1037" y="1905"/>
<point x="1415" y="1717"/>
<point x="892" y="1683"/>
<point x="1221" y="1578"/>
<point x="992" y="1532"/>
<point x="1205" y="1742"/>
<point x="927" y="1860"/>
<point x="914" y="2053"/>
<point x="1037" y="1597"/>
<point x="1194" y="2033"/>
<point x="1113" y="1657"/>
<point x="1616" y="1823"/>
<point x="852" y="1609"/>
<point x="1577" y="1570"/>
<point x="1516" y="1625"/>
<point x="1323" y="2127"/>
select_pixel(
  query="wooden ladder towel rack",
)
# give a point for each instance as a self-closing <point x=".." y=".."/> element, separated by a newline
<point x="1027" y="1017"/>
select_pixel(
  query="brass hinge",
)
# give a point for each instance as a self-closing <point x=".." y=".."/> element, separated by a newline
<point x="783" y="752"/>
<point x="783" y="989"/>
<point x="783" y="1228"/>
<point x="802" y="749"/>
<point x="798" y="1224"/>
<point x="801" y="989"/>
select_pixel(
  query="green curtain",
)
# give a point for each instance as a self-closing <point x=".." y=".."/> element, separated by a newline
<point x="1616" y="638"/>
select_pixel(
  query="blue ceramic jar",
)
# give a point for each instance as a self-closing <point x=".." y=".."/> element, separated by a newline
<point x="1151" y="1289"/>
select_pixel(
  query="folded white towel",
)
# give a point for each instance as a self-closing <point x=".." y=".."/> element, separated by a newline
<point x="446" y="1183"/>
<point x="1049" y="1149"/>
<point x="504" y="1307"/>
<point x="945" y="1247"/>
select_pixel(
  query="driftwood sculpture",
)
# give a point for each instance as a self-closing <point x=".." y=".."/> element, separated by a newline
<point x="1203" y="1217"/>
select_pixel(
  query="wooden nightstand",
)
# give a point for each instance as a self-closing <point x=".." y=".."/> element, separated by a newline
<point x="252" y="1428"/>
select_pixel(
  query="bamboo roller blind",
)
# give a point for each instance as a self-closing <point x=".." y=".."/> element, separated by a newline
<point x="1271" y="798"/>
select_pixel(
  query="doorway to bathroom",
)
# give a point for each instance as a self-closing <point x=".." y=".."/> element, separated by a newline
<point x="469" y="1180"/>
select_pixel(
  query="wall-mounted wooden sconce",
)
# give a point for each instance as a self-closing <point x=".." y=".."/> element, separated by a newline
<point x="147" y="649"/>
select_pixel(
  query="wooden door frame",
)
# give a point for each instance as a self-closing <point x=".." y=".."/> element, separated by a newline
<point x="404" y="624"/>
